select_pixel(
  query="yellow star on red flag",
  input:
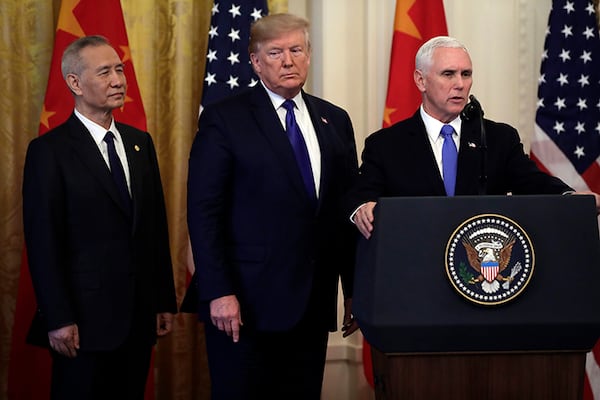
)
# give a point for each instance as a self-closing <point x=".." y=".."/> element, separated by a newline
<point x="46" y="116"/>
<point x="67" y="21"/>
<point x="126" y="53"/>
<point x="387" y="112"/>
<point x="403" y="22"/>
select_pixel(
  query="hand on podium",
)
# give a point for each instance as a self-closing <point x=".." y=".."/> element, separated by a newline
<point x="363" y="218"/>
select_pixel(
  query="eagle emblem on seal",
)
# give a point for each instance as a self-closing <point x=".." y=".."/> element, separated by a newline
<point x="489" y="259"/>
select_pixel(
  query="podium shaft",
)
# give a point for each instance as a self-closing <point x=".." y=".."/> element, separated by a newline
<point x="489" y="376"/>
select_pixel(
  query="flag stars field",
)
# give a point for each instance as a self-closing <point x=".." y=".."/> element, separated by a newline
<point x="228" y="69"/>
<point x="570" y="74"/>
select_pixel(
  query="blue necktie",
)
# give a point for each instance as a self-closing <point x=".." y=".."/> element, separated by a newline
<point x="449" y="157"/>
<point x="116" y="169"/>
<point x="301" y="152"/>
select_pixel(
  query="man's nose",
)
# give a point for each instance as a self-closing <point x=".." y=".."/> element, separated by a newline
<point x="117" y="79"/>
<point x="286" y="57"/>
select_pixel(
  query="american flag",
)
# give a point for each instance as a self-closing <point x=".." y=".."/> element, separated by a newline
<point x="228" y="68"/>
<point x="566" y="140"/>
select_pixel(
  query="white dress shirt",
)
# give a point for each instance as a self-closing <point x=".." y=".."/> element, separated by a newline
<point x="434" y="128"/>
<point x="306" y="127"/>
<point x="98" y="134"/>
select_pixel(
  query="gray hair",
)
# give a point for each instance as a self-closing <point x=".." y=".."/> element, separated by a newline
<point x="424" y="57"/>
<point x="71" y="58"/>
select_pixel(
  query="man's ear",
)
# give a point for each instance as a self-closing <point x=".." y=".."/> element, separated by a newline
<point x="419" y="80"/>
<point x="73" y="83"/>
<point x="255" y="62"/>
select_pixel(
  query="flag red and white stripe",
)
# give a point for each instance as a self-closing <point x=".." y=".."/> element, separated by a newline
<point x="566" y="141"/>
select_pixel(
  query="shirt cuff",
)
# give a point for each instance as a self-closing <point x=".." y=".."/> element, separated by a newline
<point x="354" y="213"/>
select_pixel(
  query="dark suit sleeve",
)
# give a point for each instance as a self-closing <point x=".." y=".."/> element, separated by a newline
<point x="209" y="178"/>
<point x="348" y="230"/>
<point x="511" y="169"/>
<point x="370" y="182"/>
<point x="337" y="235"/>
<point x="44" y="216"/>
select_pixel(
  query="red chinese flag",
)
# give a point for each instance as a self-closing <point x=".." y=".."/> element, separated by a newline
<point x="29" y="366"/>
<point x="416" y="21"/>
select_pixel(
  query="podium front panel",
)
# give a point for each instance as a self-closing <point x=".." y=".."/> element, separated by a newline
<point x="405" y="302"/>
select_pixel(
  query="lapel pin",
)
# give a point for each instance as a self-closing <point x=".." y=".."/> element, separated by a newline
<point x="324" y="120"/>
<point x="136" y="147"/>
<point x="473" y="145"/>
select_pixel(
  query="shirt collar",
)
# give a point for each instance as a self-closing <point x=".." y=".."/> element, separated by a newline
<point x="433" y="126"/>
<point x="97" y="131"/>
<point x="278" y="100"/>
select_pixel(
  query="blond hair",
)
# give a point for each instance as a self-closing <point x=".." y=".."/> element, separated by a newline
<point x="273" y="26"/>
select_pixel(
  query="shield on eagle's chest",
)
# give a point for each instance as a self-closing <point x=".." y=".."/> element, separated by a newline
<point x="489" y="270"/>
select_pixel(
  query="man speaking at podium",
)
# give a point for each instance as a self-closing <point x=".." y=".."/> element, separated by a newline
<point x="446" y="148"/>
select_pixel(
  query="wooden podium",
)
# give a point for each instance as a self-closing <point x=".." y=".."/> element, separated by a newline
<point x="431" y="342"/>
<point x="485" y="376"/>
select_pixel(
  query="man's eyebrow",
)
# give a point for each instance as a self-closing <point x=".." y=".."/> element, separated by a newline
<point x="107" y="66"/>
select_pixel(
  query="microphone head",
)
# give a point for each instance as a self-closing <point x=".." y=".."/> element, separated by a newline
<point x="469" y="112"/>
<point x="475" y="102"/>
<point x="472" y="109"/>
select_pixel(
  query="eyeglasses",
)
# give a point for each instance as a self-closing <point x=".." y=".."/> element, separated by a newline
<point x="278" y="54"/>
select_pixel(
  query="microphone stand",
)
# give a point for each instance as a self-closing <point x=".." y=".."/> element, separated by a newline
<point x="483" y="148"/>
<point x="474" y="106"/>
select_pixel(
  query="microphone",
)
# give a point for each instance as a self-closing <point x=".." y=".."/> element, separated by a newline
<point x="473" y="111"/>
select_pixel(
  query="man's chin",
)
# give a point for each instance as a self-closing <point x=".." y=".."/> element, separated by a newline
<point x="116" y="104"/>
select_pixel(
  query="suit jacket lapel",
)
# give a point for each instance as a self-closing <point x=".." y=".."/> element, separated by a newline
<point x="134" y="151"/>
<point x="323" y="129"/>
<point x="422" y="153"/>
<point x="84" y="147"/>
<point x="271" y="128"/>
<point x="468" y="168"/>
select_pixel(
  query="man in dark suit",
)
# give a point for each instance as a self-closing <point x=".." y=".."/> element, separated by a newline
<point x="270" y="243"/>
<point x="407" y="159"/>
<point x="99" y="256"/>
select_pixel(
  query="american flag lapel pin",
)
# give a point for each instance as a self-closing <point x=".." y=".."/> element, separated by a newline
<point x="324" y="120"/>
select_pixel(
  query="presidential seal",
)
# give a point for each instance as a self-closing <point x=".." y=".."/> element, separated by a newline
<point x="489" y="259"/>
